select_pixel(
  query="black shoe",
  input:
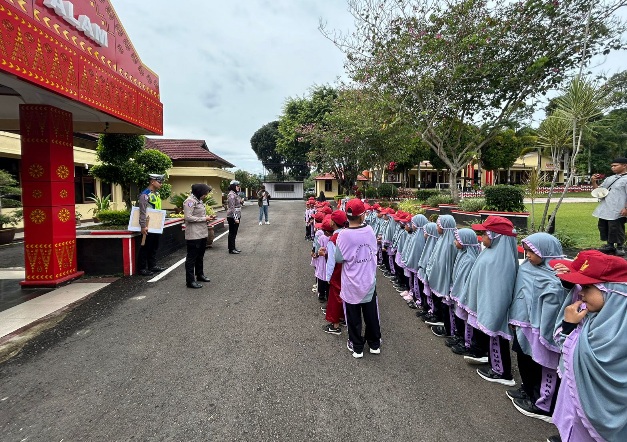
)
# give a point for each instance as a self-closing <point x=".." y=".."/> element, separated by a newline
<point x="454" y="340"/>
<point x="439" y="331"/>
<point x="491" y="376"/>
<point x="157" y="269"/>
<point x="517" y="394"/>
<point x="529" y="409"/>
<point x="607" y="249"/>
<point x="203" y="278"/>
<point x="412" y="305"/>
<point x="234" y="252"/>
<point x="431" y="319"/>
<point x="620" y="251"/>
<point x="145" y="272"/>
<point x="237" y="250"/>
<point x="555" y="438"/>
<point x="421" y="313"/>
<point x="194" y="285"/>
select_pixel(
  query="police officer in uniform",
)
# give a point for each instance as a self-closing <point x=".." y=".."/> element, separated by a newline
<point x="149" y="198"/>
<point x="196" y="233"/>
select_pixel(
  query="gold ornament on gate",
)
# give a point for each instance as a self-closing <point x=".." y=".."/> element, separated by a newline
<point x="63" y="172"/>
<point x="36" y="170"/>
<point x="37" y="194"/>
<point x="38" y="216"/>
<point x="63" y="193"/>
<point x="64" y="215"/>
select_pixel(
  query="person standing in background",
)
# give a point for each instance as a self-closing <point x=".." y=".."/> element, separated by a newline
<point x="263" y="199"/>
<point x="147" y="256"/>
<point x="196" y="235"/>
<point x="233" y="214"/>
<point x="612" y="208"/>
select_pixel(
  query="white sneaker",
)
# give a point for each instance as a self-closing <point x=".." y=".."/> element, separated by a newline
<point x="375" y="351"/>
<point x="267" y="222"/>
<point x="358" y="355"/>
<point x="260" y="223"/>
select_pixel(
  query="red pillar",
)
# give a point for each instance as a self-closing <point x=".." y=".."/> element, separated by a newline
<point x="48" y="195"/>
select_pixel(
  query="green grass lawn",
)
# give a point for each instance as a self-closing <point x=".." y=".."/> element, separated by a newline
<point x="574" y="220"/>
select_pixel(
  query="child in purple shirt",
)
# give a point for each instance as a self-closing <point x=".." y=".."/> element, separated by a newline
<point x="357" y="251"/>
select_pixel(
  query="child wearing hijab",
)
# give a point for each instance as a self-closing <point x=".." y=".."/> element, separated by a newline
<point x="538" y="298"/>
<point x="431" y="238"/>
<point x="318" y="262"/>
<point x="411" y="255"/>
<point x="439" y="273"/>
<point x="401" y="283"/>
<point x="469" y="248"/>
<point x="386" y="242"/>
<point x="488" y="295"/>
<point x="593" y="338"/>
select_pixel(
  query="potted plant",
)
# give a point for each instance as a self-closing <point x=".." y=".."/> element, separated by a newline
<point x="8" y="193"/>
<point x="78" y="215"/>
<point x="101" y="202"/>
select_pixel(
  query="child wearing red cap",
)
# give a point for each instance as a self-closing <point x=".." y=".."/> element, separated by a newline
<point x="356" y="250"/>
<point x="334" y="310"/>
<point x="487" y="295"/>
<point x="593" y="338"/>
<point x="317" y="261"/>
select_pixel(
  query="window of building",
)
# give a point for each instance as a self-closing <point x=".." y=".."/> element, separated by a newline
<point x="84" y="185"/>
<point x="328" y="185"/>
<point x="283" y="187"/>
<point x="106" y="189"/>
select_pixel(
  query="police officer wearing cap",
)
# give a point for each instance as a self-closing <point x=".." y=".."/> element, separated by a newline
<point x="233" y="214"/>
<point x="612" y="208"/>
<point x="149" y="198"/>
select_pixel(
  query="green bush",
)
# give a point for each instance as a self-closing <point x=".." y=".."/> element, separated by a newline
<point x="371" y="192"/>
<point x="309" y="195"/>
<point x="411" y="206"/>
<point x="504" y="198"/>
<point x="339" y="197"/>
<point x="472" y="204"/>
<point x="114" y="217"/>
<point x="387" y="190"/>
<point x="425" y="194"/>
<point x="436" y="200"/>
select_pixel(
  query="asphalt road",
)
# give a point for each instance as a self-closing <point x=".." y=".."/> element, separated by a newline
<point x="245" y="359"/>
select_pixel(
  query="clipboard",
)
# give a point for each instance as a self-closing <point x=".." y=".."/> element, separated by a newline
<point x="156" y="220"/>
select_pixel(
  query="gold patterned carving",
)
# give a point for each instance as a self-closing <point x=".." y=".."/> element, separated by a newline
<point x="45" y="257"/>
<point x="64" y="215"/>
<point x="37" y="194"/>
<point x="38" y="255"/>
<point x="63" y="172"/>
<point x="63" y="193"/>
<point x="38" y="216"/>
<point x="59" y="251"/>
<point x="36" y="170"/>
<point x="31" y="254"/>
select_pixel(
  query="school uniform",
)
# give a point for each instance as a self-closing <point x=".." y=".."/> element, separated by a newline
<point x="431" y="232"/>
<point x="411" y="255"/>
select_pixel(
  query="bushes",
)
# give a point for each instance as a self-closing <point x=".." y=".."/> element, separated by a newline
<point x="437" y="199"/>
<point x="371" y="192"/>
<point x="387" y="190"/>
<point x="425" y="194"/>
<point x="114" y="217"/>
<point x="411" y="206"/>
<point x="504" y="198"/>
<point x="472" y="204"/>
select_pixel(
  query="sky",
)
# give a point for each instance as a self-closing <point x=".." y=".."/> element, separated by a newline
<point x="226" y="68"/>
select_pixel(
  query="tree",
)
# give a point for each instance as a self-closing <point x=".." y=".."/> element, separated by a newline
<point x="264" y="144"/>
<point x="298" y="112"/>
<point x="124" y="161"/>
<point x="248" y="180"/>
<point x="502" y="151"/>
<point x="460" y="63"/>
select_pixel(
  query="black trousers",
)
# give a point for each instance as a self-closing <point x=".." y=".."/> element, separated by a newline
<point x="233" y="226"/>
<point x="147" y="256"/>
<point x="386" y="260"/>
<point x="505" y="357"/>
<point x="370" y="313"/>
<point x="612" y="231"/>
<point x="194" y="259"/>
<point x="323" y="289"/>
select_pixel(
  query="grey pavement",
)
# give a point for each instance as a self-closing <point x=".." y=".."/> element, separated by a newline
<point x="244" y="359"/>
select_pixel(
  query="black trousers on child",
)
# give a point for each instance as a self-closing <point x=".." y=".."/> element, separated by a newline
<point x="194" y="259"/>
<point x="147" y="256"/>
<point x="323" y="289"/>
<point x="370" y="313"/>
<point x="499" y="356"/>
<point x="612" y="231"/>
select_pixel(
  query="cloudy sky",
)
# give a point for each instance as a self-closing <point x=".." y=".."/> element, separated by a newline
<point x="226" y="68"/>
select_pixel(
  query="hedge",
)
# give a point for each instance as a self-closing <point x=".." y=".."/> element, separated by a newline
<point x="114" y="217"/>
<point x="504" y="198"/>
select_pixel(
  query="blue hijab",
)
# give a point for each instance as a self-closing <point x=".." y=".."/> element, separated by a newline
<point x="431" y="230"/>
<point x="538" y="299"/>
<point x="600" y="364"/>
<point x="439" y="269"/>
<point x="466" y="258"/>
<point x="390" y="231"/>
<point x="411" y="253"/>
<point x="490" y="285"/>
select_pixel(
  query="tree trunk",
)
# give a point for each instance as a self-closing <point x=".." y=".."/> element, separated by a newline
<point x="452" y="182"/>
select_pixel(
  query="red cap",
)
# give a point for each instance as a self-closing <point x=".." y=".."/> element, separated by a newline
<point x="326" y="210"/>
<point x="592" y="267"/>
<point x="355" y="207"/>
<point x="319" y="216"/>
<point x="326" y="224"/>
<point x="497" y="224"/>
<point x="367" y="206"/>
<point x="390" y="211"/>
<point x="339" y="218"/>
<point x="376" y="206"/>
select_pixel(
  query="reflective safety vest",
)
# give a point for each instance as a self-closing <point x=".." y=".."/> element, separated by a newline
<point x="153" y="199"/>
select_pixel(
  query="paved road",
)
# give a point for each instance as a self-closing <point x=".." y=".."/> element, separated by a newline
<point x="244" y="359"/>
